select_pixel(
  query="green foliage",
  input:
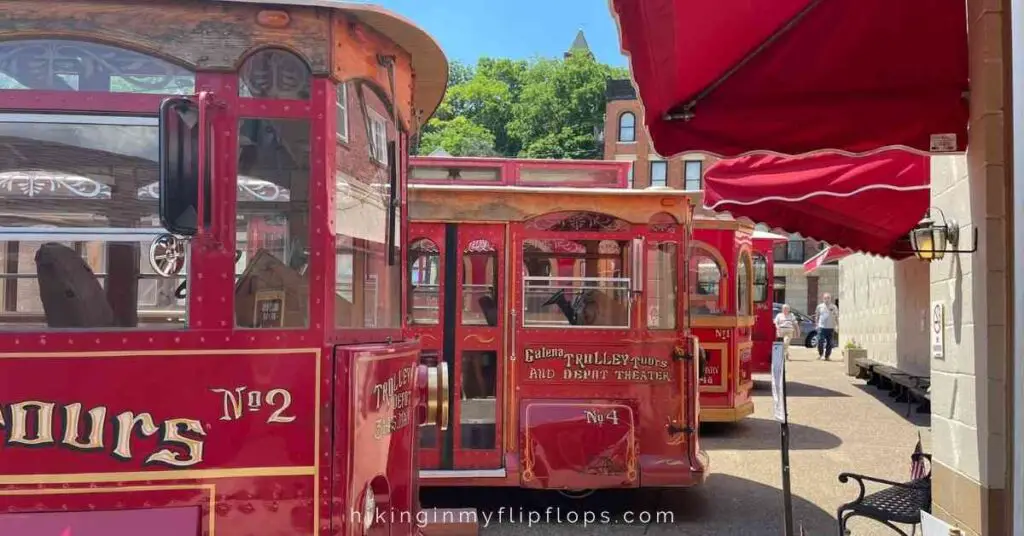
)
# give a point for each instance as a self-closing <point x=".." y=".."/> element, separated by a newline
<point x="459" y="136"/>
<point x="545" y="108"/>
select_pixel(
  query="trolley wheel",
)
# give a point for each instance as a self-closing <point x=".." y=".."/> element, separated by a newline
<point x="576" y="494"/>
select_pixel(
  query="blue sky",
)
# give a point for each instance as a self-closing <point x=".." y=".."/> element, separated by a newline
<point x="520" y="29"/>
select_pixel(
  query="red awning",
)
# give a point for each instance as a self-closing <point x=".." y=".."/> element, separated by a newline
<point x="827" y="255"/>
<point x="797" y="76"/>
<point x="866" y="203"/>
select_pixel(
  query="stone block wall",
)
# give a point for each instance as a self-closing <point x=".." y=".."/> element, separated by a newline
<point x="797" y="287"/>
<point x="884" y="309"/>
<point x="970" y="410"/>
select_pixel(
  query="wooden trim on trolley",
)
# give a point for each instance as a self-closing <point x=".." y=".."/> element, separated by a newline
<point x="727" y="414"/>
<point x="722" y="387"/>
<point x="721" y="321"/>
<point x="513" y="204"/>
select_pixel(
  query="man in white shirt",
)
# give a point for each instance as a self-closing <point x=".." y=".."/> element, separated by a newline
<point x="827" y="318"/>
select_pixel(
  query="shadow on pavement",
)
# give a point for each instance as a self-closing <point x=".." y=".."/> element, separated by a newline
<point x="724" y="505"/>
<point x="799" y="389"/>
<point x="900" y="408"/>
<point x="763" y="434"/>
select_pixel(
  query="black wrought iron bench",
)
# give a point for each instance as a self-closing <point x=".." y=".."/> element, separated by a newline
<point x="900" y="502"/>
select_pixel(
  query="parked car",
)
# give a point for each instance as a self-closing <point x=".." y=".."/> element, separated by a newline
<point x="808" y="328"/>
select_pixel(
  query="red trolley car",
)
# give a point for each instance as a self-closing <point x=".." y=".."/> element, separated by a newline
<point x="201" y="349"/>
<point x="553" y="295"/>
<point x="722" y="309"/>
<point x="763" y="260"/>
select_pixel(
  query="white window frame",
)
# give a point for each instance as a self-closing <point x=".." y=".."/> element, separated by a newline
<point x="650" y="171"/>
<point x="341" y="102"/>
<point x="631" y="127"/>
<point x="378" y="138"/>
<point x="700" y="174"/>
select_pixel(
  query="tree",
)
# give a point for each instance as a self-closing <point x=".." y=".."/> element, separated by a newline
<point x="561" y="108"/>
<point x="544" y="108"/>
<point x="459" y="136"/>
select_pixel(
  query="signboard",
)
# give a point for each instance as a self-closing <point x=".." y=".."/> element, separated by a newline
<point x="937" y="331"/>
<point x="269" y="309"/>
<point x="778" y="378"/>
<point x="583" y="365"/>
<point x="712" y="368"/>
<point x="189" y="409"/>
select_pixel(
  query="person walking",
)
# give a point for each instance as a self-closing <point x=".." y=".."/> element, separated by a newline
<point x="827" y="318"/>
<point x="786" y="327"/>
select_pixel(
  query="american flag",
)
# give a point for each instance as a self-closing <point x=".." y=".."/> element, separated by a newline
<point x="917" y="469"/>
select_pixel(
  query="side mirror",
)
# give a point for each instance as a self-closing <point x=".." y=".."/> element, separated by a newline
<point x="182" y="141"/>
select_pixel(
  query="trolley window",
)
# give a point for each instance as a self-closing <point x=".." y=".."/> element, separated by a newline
<point x="760" y="278"/>
<point x="67" y="65"/>
<point x="78" y="210"/>
<point x="706" y="297"/>
<point x="424" y="282"/>
<point x="479" y="289"/>
<point x="744" y="303"/>
<point x="579" y="283"/>
<point x="661" y="285"/>
<point x="362" y="195"/>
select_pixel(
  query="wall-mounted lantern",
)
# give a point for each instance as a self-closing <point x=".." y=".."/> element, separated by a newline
<point x="931" y="240"/>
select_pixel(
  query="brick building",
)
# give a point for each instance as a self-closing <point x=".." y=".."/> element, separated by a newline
<point x="626" y="139"/>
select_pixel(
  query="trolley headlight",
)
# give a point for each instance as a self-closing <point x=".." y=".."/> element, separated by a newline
<point x="369" y="509"/>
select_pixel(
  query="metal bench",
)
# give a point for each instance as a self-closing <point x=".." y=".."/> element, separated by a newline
<point x="900" y="502"/>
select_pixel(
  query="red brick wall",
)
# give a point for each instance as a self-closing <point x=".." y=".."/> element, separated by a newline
<point x="641" y="148"/>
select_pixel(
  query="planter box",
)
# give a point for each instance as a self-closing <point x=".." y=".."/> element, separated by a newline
<point x="853" y="354"/>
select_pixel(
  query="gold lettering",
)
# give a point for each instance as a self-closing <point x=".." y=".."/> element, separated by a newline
<point x="124" y="427"/>
<point x="20" y="423"/>
<point x="174" y="430"/>
<point x="596" y="366"/>
<point x="386" y="426"/>
<point x="286" y="400"/>
<point x="232" y="403"/>
<point x="72" y="426"/>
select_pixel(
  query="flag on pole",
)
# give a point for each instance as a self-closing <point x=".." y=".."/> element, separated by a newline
<point x="917" y="469"/>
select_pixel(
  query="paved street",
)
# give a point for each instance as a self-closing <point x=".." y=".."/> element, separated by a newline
<point x="837" y="424"/>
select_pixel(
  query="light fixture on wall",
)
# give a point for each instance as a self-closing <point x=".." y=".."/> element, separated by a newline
<point x="930" y="240"/>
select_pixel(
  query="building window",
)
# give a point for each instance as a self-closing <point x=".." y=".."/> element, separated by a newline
<point x="659" y="173"/>
<point x="378" y="138"/>
<point x="629" y="177"/>
<point x="342" y="112"/>
<point x="627" y="127"/>
<point x="692" y="171"/>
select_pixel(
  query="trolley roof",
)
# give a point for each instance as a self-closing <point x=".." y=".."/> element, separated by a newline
<point x="429" y="64"/>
